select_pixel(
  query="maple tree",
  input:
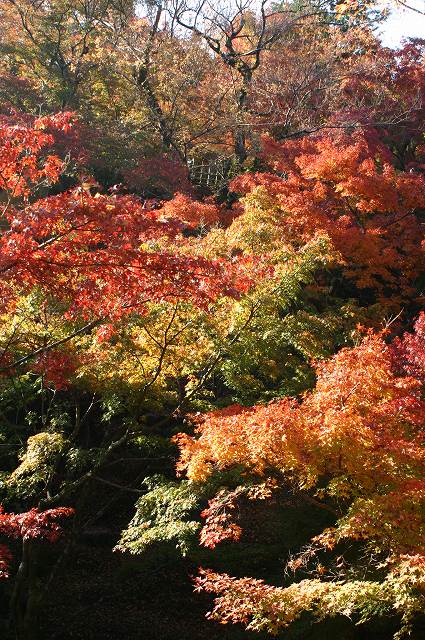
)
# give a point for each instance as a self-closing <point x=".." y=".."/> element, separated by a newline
<point x="238" y="34"/>
<point x="146" y="86"/>
<point x="381" y="92"/>
<point x="34" y="524"/>
<point x="31" y="528"/>
<point x="96" y="257"/>
<point x="347" y="186"/>
<point x="54" y="44"/>
<point x="359" y="437"/>
<point x="97" y="240"/>
<point x="23" y="167"/>
<point x="100" y="242"/>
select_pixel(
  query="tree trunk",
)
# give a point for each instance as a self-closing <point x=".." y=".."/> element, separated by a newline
<point x="26" y="596"/>
<point x="240" y="131"/>
<point x="155" y="108"/>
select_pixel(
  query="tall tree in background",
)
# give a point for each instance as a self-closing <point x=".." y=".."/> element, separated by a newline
<point x="239" y="34"/>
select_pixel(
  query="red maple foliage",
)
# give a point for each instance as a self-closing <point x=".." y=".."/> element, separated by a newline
<point x="362" y="425"/>
<point x="218" y="515"/>
<point x="56" y="367"/>
<point x="190" y="211"/>
<point x="91" y="252"/>
<point x="360" y="434"/>
<point x="34" y="523"/>
<point x="95" y="253"/>
<point x="31" y="525"/>
<point x="162" y="175"/>
<point x="24" y="161"/>
<point x="409" y="351"/>
<point x="347" y="186"/>
<point x="388" y="87"/>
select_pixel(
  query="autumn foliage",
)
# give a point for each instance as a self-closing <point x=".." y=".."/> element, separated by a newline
<point x="347" y="185"/>
<point x="359" y="437"/>
<point x="99" y="242"/>
<point x="211" y="225"/>
<point x="32" y="525"/>
<point x="24" y="143"/>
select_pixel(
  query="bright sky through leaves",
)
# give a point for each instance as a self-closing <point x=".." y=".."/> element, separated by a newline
<point x="404" y="24"/>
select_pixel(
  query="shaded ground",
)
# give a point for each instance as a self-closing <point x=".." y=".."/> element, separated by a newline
<point x="101" y="595"/>
<point x="106" y="597"/>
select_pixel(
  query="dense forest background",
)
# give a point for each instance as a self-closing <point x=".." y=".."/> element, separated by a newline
<point x="212" y="343"/>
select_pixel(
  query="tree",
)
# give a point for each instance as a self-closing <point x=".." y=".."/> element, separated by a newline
<point x="241" y="34"/>
<point x="359" y="437"/>
<point x="347" y="186"/>
<point x="72" y="263"/>
<point x="31" y="528"/>
<point x="131" y="310"/>
<point x="238" y="37"/>
<point x="25" y="165"/>
<point x="387" y="91"/>
<point x="54" y="43"/>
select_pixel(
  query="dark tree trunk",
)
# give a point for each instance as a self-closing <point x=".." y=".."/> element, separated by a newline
<point x="26" y="596"/>
<point x="155" y="108"/>
<point x="240" y="132"/>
